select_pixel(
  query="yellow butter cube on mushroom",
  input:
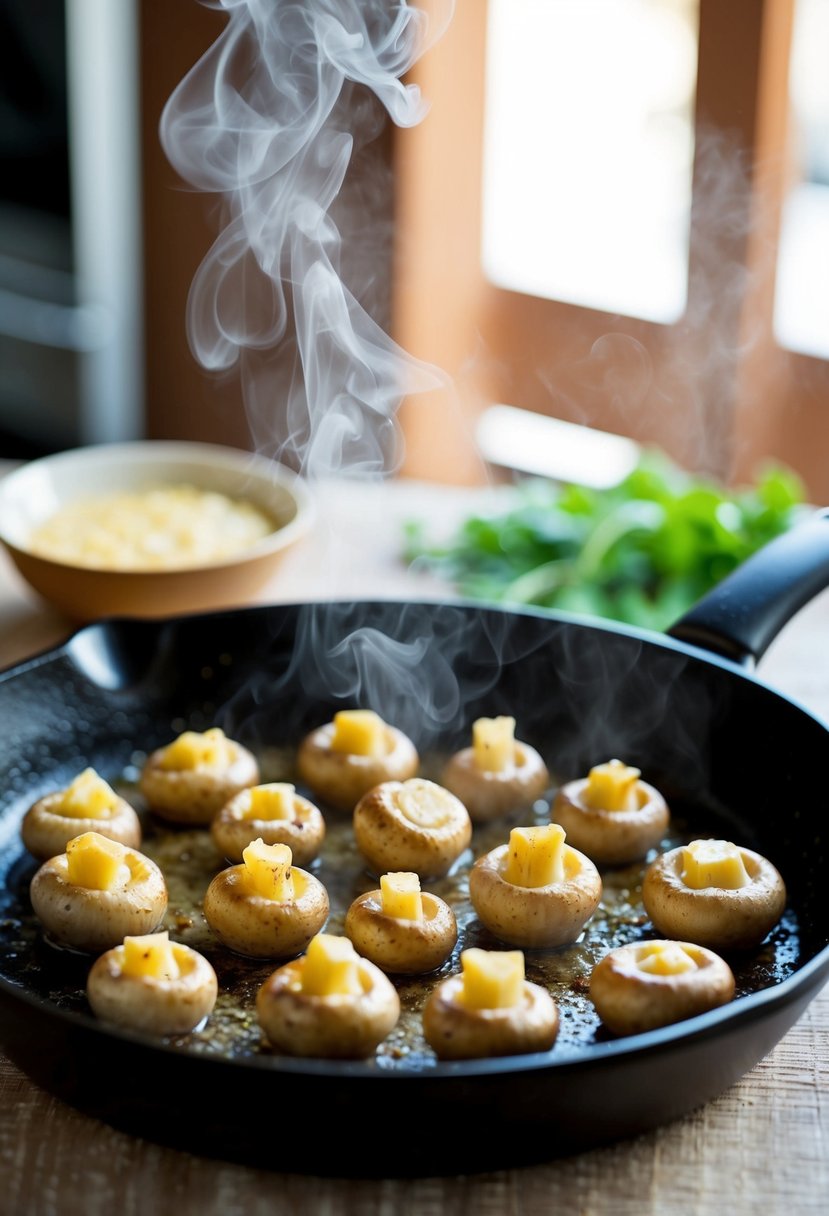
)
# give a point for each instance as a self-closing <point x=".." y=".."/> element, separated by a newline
<point x="268" y="870"/>
<point x="493" y="743"/>
<point x="87" y="797"/>
<point x="330" y="967"/>
<point x="612" y="786"/>
<point x="665" y="958"/>
<point x="95" y="862"/>
<point x="272" y="801"/>
<point x="713" y="863"/>
<point x="535" y="856"/>
<point x="151" y="955"/>
<point x="492" y="979"/>
<point x="359" y="732"/>
<point x="401" y="897"/>
<point x="193" y="749"/>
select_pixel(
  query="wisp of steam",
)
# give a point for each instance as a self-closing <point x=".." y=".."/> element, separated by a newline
<point x="270" y="119"/>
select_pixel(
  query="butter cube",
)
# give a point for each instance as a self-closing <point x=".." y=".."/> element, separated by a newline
<point x="713" y="863"/>
<point x="359" y="732"/>
<point x="272" y="801"/>
<point x="87" y="797"/>
<point x="401" y="896"/>
<point x="535" y="856"/>
<point x="268" y="870"/>
<point x="493" y="743"/>
<point x="665" y="958"/>
<point x="95" y="862"/>
<point x="492" y="979"/>
<point x="193" y="749"/>
<point x="330" y="967"/>
<point x="612" y="787"/>
<point x="150" y="955"/>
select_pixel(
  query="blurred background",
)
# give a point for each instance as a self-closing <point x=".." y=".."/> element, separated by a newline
<point x="615" y="213"/>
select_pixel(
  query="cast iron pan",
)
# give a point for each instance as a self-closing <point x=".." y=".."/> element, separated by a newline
<point x="734" y="758"/>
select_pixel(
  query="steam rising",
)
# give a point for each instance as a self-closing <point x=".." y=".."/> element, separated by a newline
<point x="270" y="119"/>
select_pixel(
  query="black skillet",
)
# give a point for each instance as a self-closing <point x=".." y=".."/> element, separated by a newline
<point x="734" y="758"/>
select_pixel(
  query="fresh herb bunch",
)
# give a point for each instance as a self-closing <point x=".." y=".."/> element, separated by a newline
<point x="642" y="552"/>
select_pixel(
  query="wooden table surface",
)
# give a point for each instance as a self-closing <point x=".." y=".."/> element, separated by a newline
<point x="762" y="1146"/>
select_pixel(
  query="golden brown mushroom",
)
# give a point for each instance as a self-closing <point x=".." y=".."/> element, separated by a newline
<point x="275" y="813"/>
<point x="343" y="759"/>
<point x="97" y="893"/>
<point x="644" y="985"/>
<point x="266" y="907"/>
<point x="329" y="1003"/>
<point x="87" y="804"/>
<point x="714" y="893"/>
<point x="402" y="929"/>
<point x="151" y="984"/>
<point x="489" y="1009"/>
<point x="498" y="775"/>
<point x="190" y="779"/>
<point x="536" y="891"/>
<point x="413" y="825"/>
<point x="612" y="815"/>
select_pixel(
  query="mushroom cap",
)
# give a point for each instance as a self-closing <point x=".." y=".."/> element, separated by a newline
<point x="341" y="778"/>
<point x="304" y="832"/>
<point x="611" y="838"/>
<point x="252" y="925"/>
<point x="335" y="1027"/>
<point x="45" y="831"/>
<point x="413" y="825"/>
<point x="153" y="1005"/>
<point x="714" y="916"/>
<point x="455" y="1032"/>
<point x="630" y="1000"/>
<point x="535" y="917"/>
<point x="402" y="947"/>
<point x="194" y="796"/>
<point x="488" y="795"/>
<point x="89" y="920"/>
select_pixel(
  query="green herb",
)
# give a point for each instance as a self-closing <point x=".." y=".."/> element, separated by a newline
<point x="642" y="552"/>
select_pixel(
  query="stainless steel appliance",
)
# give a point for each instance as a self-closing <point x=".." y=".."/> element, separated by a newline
<point x="70" y="298"/>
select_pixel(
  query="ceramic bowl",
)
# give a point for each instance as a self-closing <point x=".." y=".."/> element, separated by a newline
<point x="32" y="493"/>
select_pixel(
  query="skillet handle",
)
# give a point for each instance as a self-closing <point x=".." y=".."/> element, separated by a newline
<point x="743" y="614"/>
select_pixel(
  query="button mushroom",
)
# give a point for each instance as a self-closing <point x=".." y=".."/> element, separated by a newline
<point x="611" y="814"/>
<point x="275" y="813"/>
<point x="498" y="775"/>
<point x="87" y="804"/>
<point x="151" y="984"/>
<point x="536" y="891"/>
<point x="266" y="907"/>
<point x="413" y="825"/>
<point x="328" y="1003"/>
<point x="402" y="929"/>
<point x="96" y="893"/>
<point x="714" y="893"/>
<point x="643" y="985"/>
<point x="357" y="750"/>
<point x="190" y="779"/>
<point x="489" y="1009"/>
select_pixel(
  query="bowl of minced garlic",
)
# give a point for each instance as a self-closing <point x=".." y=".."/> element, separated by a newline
<point x="151" y="528"/>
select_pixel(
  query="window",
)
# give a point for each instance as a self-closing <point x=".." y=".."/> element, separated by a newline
<point x="669" y="329"/>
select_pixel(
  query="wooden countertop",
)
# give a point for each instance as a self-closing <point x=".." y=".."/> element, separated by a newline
<point x="762" y="1145"/>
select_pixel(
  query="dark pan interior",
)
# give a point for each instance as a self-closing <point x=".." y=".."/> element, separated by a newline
<point x="733" y="758"/>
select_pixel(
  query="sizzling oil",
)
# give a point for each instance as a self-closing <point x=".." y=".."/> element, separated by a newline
<point x="189" y="860"/>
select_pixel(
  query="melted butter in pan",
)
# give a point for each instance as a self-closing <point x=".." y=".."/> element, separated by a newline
<point x="189" y="860"/>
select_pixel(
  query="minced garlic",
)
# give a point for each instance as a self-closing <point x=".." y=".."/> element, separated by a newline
<point x="164" y="528"/>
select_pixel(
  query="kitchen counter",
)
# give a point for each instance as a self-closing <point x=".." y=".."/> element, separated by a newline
<point x="762" y="1145"/>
